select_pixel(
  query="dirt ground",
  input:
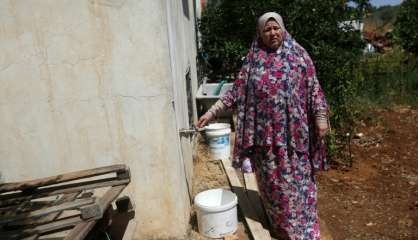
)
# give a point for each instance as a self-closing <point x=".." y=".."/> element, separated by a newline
<point x="376" y="198"/>
<point x="209" y="174"/>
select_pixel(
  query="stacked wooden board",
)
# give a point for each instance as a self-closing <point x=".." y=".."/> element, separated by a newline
<point x="70" y="203"/>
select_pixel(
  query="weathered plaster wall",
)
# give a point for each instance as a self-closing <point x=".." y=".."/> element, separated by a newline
<point x="182" y="46"/>
<point x="88" y="83"/>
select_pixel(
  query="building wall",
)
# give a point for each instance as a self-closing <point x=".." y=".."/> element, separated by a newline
<point x="87" y="83"/>
<point x="182" y="45"/>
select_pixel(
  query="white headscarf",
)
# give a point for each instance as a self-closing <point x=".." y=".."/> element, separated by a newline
<point x="261" y="22"/>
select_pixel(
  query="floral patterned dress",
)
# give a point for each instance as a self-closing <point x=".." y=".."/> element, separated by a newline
<point x="277" y="96"/>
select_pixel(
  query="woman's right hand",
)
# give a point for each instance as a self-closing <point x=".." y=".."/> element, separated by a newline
<point x="203" y="120"/>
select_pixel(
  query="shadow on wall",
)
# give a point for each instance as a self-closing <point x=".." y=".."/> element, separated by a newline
<point x="116" y="225"/>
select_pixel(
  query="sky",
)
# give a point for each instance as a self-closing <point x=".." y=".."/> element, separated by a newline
<point x="378" y="3"/>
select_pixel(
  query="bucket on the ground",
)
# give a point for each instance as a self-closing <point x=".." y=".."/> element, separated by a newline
<point x="216" y="211"/>
<point x="218" y="136"/>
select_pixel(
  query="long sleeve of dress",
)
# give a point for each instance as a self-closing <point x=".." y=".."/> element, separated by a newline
<point x="239" y="88"/>
<point x="317" y="111"/>
<point x="318" y="104"/>
<point x="236" y="98"/>
<point x="216" y="108"/>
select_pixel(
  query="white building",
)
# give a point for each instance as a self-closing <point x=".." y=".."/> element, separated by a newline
<point x="355" y="24"/>
<point x="87" y="83"/>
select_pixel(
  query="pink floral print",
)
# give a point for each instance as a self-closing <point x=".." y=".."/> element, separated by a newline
<point x="277" y="95"/>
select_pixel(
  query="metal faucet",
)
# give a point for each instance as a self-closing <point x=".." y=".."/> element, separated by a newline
<point x="190" y="131"/>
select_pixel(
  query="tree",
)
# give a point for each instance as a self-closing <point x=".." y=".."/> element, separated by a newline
<point x="228" y="27"/>
<point x="406" y="26"/>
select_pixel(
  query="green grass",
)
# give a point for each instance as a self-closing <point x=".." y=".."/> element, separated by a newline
<point x="386" y="80"/>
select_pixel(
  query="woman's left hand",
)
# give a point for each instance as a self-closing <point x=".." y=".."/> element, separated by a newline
<point x="322" y="127"/>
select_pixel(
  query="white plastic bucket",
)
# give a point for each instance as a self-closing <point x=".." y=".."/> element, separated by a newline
<point x="218" y="135"/>
<point x="216" y="211"/>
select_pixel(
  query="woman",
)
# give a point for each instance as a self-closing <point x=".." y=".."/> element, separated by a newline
<point x="281" y="120"/>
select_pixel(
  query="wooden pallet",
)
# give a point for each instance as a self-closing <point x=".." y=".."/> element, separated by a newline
<point x="70" y="203"/>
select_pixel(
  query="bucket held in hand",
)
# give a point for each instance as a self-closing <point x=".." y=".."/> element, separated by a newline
<point x="218" y="136"/>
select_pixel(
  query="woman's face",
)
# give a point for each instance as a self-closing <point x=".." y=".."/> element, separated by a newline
<point x="272" y="34"/>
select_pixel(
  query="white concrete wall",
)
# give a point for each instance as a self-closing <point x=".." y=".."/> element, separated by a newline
<point x="182" y="45"/>
<point x="88" y="83"/>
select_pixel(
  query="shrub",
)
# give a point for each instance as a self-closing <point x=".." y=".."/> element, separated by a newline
<point x="228" y="28"/>
<point x="406" y="26"/>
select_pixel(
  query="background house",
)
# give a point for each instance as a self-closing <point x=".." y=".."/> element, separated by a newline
<point x="88" y="83"/>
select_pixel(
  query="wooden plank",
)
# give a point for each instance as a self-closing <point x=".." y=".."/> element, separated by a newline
<point x="25" y="185"/>
<point x="48" y="218"/>
<point x="40" y="229"/>
<point x="51" y="217"/>
<point x="253" y="194"/>
<point x="45" y="211"/>
<point x="63" y="189"/>
<point x="14" y="207"/>
<point x="255" y="227"/>
<point x="46" y="187"/>
<point x="102" y="205"/>
<point x="250" y="182"/>
<point x="58" y="224"/>
<point x="13" y="202"/>
<point x="80" y="231"/>
<point x="231" y="237"/>
<point x="97" y="210"/>
<point x="325" y="233"/>
<point x="33" y="237"/>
